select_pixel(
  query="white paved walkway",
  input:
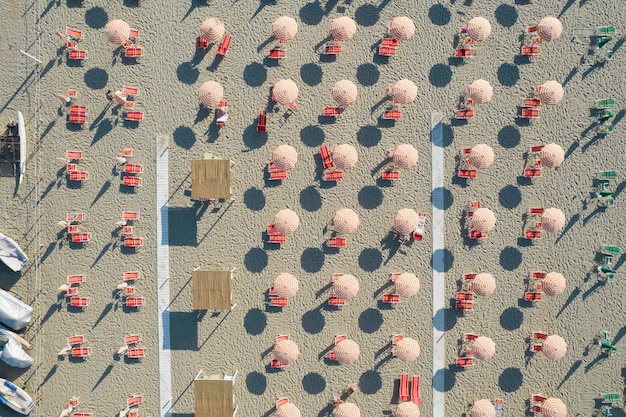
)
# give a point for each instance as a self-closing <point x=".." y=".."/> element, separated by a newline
<point x="438" y="264"/>
<point x="163" y="275"/>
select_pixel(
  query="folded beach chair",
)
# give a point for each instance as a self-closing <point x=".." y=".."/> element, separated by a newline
<point x="469" y="276"/>
<point x="131" y="181"/>
<point x="133" y="52"/>
<point x="392" y="114"/>
<point x="134" y="401"/>
<point x="70" y="44"/>
<point x="223" y="48"/>
<point x="132" y="242"/>
<point x="415" y="390"/>
<point x="128" y="291"/>
<point x="336" y="301"/>
<point x="538" y="275"/>
<point x="70" y="92"/>
<point x="202" y="43"/>
<point x="136" y="353"/>
<point x="133" y="116"/>
<point x="332" y="175"/>
<point x="537" y="398"/>
<point x="73" y="33"/>
<point x="76" y="55"/>
<point x="390" y="175"/>
<point x="134" y="302"/>
<point x="80" y="352"/>
<point x="332" y="49"/>
<point x="337" y="242"/>
<point x="75" y="340"/>
<point x="78" y="119"/>
<point x="79" y="301"/>
<point x="387" y="50"/>
<point x="535" y="211"/>
<point x="531" y="29"/>
<point x="465" y="361"/>
<point x="334" y="111"/>
<point x="530" y="113"/>
<point x="126" y="231"/>
<point x="277" y="53"/>
<point x="403" y="390"/>
<point x="75" y="279"/>
<point x="467" y="173"/>
<point x="131" y="276"/>
<point x="262" y="124"/>
<point x="464" y="114"/>
<point x="391" y="298"/>
<point x="532" y="296"/>
<point x="133" y="168"/>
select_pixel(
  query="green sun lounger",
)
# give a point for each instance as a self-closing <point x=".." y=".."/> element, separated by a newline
<point x="603" y="40"/>
<point x="605" y="103"/>
<point x="611" y="398"/>
<point x="607" y="270"/>
<point x="611" y="250"/>
<point x="606" y="30"/>
<point x="608" y="175"/>
<point x="606" y="193"/>
<point x="604" y="115"/>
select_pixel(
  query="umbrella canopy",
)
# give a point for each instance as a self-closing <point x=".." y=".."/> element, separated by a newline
<point x="407" y="349"/>
<point x="407" y="285"/>
<point x="484" y="348"/>
<point x="549" y="28"/>
<point x="343" y="28"/>
<point x="404" y="91"/>
<point x="405" y="156"/>
<point x="284" y="28"/>
<point x="480" y="91"/>
<point x="552" y="155"/>
<point x="212" y="29"/>
<point x="286" y="352"/>
<point x="347" y="410"/>
<point x="347" y="351"/>
<point x="553" y="220"/>
<point x="117" y="31"/>
<point x="288" y="410"/>
<point x="553" y="407"/>
<point x="554" y="284"/>
<point x="286" y="221"/>
<point x="406" y="221"/>
<point x="285" y="285"/>
<point x="210" y="93"/>
<point x="285" y="157"/>
<point x="551" y="92"/>
<point x="554" y="347"/>
<point x="483" y="408"/>
<point x="345" y="156"/>
<point x="346" y="221"/>
<point x="344" y="92"/>
<point x="479" y="28"/>
<point x="285" y="91"/>
<point x="481" y="156"/>
<point x="484" y="220"/>
<point x="346" y="286"/>
<point x="484" y="285"/>
<point x="401" y="28"/>
<point x="407" y="409"/>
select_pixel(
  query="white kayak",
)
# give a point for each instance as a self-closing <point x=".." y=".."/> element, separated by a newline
<point x="15" y="397"/>
<point x="12" y="353"/>
<point x="13" y="312"/>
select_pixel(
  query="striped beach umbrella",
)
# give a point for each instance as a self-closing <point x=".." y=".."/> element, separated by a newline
<point x="484" y="348"/>
<point x="401" y="28"/>
<point x="406" y="221"/>
<point x="407" y="409"/>
<point x="212" y="29"/>
<point x="554" y="347"/>
<point x="404" y="91"/>
<point x="346" y="221"/>
<point x="347" y="410"/>
<point x="284" y="28"/>
<point x="343" y="28"/>
<point x="344" y="92"/>
<point x="285" y="285"/>
<point x="483" y="220"/>
<point x="483" y="408"/>
<point x="210" y="93"/>
<point x="346" y="286"/>
<point x="481" y="156"/>
<point x="405" y="156"/>
<point x="288" y="410"/>
<point x="552" y="155"/>
<point x="407" y="285"/>
<point x="478" y="28"/>
<point x="347" y="352"/>
<point x="554" y="284"/>
<point x="553" y="407"/>
<point x="549" y="28"/>
<point x="345" y="156"/>
<point x="551" y="92"/>
<point x="480" y="91"/>
<point x="286" y="351"/>
<point x="285" y="91"/>
<point x="285" y="157"/>
<point x="407" y="349"/>
<point x="553" y="220"/>
<point x="286" y="221"/>
<point x="117" y="31"/>
<point x="484" y="285"/>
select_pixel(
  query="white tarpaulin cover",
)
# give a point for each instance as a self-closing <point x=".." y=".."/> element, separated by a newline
<point x="13" y="312"/>
<point x="11" y="254"/>
<point x="12" y="353"/>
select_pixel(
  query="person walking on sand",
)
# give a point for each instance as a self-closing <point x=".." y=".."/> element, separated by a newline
<point x="109" y="95"/>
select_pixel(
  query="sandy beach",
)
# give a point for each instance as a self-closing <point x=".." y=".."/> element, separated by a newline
<point x="230" y="235"/>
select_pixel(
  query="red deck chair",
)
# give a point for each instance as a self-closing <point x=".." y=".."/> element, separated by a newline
<point x="415" y="390"/>
<point x="275" y="363"/>
<point x="78" y="175"/>
<point x="392" y="114"/>
<point x="132" y="242"/>
<point x="75" y="279"/>
<point x="326" y="159"/>
<point x="80" y="352"/>
<point x="133" y="116"/>
<point x="126" y="230"/>
<point x="82" y="414"/>
<point x="80" y="237"/>
<point x="136" y="353"/>
<point x="530" y="113"/>
<point x="538" y="275"/>
<point x="333" y="175"/>
<point x="536" y="210"/>
<point x="262" y="124"/>
<point x="403" y="391"/>
<point x="130" y="91"/>
<point x="71" y="292"/>
<point x="336" y="301"/>
<point x="70" y="92"/>
<point x="467" y="173"/>
<point x="76" y="109"/>
<point x="130" y="215"/>
<point x="532" y="172"/>
<point x="334" y="111"/>
<point x="280" y="174"/>
<point x="135" y="302"/>
<point x="75" y="340"/>
<point x="337" y="242"/>
<point x="463" y="53"/>
<point x="532" y="296"/>
<point x="465" y="361"/>
<point x="475" y="234"/>
<point x="532" y="102"/>
<point x="133" y="52"/>
<point x="464" y="296"/>
<point x="464" y="305"/>
<point x="276" y="238"/>
<point x="131" y="181"/>
<point x="538" y="398"/>
<point x="278" y="302"/>
<point x="79" y="301"/>
<point x="541" y="336"/>
<point x="133" y="168"/>
<point x="223" y="48"/>
<point x="76" y="55"/>
<point x="532" y="234"/>
<point x="332" y="49"/>
<point x="131" y="275"/>
<point x="531" y="29"/>
<point x="390" y="175"/>
<point x="134" y="401"/>
<point x="277" y="53"/>
<point x="73" y="155"/>
<point x="468" y="277"/>
<point x="390" y="42"/>
<point x="73" y="33"/>
<point x="387" y="50"/>
<point x="78" y="119"/>
<point x="464" y="114"/>
<point x="202" y="43"/>
<point x="391" y="298"/>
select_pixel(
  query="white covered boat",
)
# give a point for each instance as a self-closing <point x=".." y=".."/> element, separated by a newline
<point x="13" y="312"/>
<point x="11" y="254"/>
<point x="15" y="397"/>
<point x="13" y="353"/>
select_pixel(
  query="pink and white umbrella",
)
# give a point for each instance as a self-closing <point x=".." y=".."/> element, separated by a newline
<point x="551" y="92"/>
<point x="553" y="407"/>
<point x="212" y="29"/>
<point x="407" y="409"/>
<point x="117" y="31"/>
<point x="347" y="410"/>
<point x="407" y="285"/>
<point x="405" y="156"/>
<point x="554" y="347"/>
<point x="284" y="28"/>
<point x="553" y="220"/>
<point x="484" y="348"/>
<point x="552" y="155"/>
<point x="484" y="285"/>
<point x="344" y="92"/>
<point x="478" y="28"/>
<point x="554" y="284"/>
<point x="285" y="157"/>
<point x="286" y="351"/>
<point x="481" y="156"/>
<point x="404" y="91"/>
<point x="406" y="221"/>
<point x="286" y="221"/>
<point x="549" y="28"/>
<point x="285" y="285"/>
<point x="484" y="220"/>
<point x="211" y="93"/>
<point x="483" y="408"/>
<point x="285" y="91"/>
<point x="343" y="28"/>
<point x="346" y="286"/>
<point x="407" y="349"/>
<point x="480" y="91"/>
<point x="346" y="221"/>
<point x="345" y="156"/>
<point x="288" y="410"/>
<point x="347" y="352"/>
<point x="401" y="28"/>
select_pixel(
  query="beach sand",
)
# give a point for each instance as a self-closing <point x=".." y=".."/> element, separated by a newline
<point x="231" y="235"/>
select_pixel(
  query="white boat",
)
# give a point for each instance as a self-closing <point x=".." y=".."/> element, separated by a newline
<point x="21" y="129"/>
<point x="11" y="254"/>
<point x="13" y="312"/>
<point x="13" y="353"/>
<point x="15" y="397"/>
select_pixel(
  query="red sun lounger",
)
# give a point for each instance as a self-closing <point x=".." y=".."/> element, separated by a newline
<point x="136" y="353"/>
<point x="390" y="42"/>
<point x="532" y="234"/>
<point x="278" y="302"/>
<point x="133" y="168"/>
<point x="333" y="175"/>
<point x="223" y="48"/>
<point x="467" y="173"/>
<point x="78" y="175"/>
<point x="392" y="114"/>
<point x="78" y="119"/>
<point x="80" y="352"/>
<point x="332" y="49"/>
<point x="326" y="159"/>
<point x="337" y="242"/>
<point x="75" y="340"/>
<point x="135" y="302"/>
<point x="277" y="53"/>
<point x="75" y="279"/>
<point x="202" y="43"/>
<point x="464" y="114"/>
<point x="132" y="242"/>
<point x="75" y="54"/>
<point x="465" y="361"/>
<point x="528" y="50"/>
<point x="262" y="124"/>
<point x="276" y="364"/>
<point x="403" y="391"/>
<point x="532" y="296"/>
<point x="530" y="113"/>
<point x="130" y="91"/>
<point x="134" y="401"/>
<point x="391" y="298"/>
<point x="73" y="33"/>
<point x="336" y="301"/>
<point x="280" y="174"/>
<point x="131" y="275"/>
<point x="387" y="50"/>
<point x="133" y="52"/>
<point x="80" y="237"/>
<point x="464" y="305"/>
<point x="462" y="53"/>
<point x="73" y="155"/>
<point x="334" y="111"/>
<point x="131" y="181"/>
<point x="276" y="238"/>
<point x="390" y="175"/>
<point x="76" y="109"/>
<point x="130" y="215"/>
<point x="79" y="301"/>
<point x="415" y="390"/>
<point x="532" y="102"/>
<point x="133" y="116"/>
